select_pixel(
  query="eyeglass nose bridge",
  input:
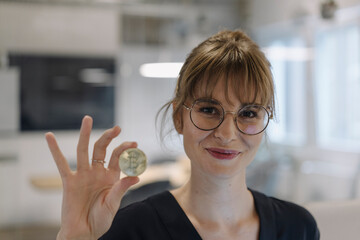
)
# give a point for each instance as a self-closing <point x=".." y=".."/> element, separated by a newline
<point x="234" y="114"/>
<point x="231" y="112"/>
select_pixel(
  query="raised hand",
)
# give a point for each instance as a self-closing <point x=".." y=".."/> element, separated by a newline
<point x="92" y="194"/>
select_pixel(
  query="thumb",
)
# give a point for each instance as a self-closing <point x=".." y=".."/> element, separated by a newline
<point x="118" y="190"/>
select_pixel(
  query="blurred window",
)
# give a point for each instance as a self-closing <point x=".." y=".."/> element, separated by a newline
<point x="337" y="87"/>
<point x="288" y="60"/>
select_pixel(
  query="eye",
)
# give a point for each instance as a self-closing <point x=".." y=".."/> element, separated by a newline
<point x="208" y="110"/>
<point x="251" y="113"/>
<point x="248" y="114"/>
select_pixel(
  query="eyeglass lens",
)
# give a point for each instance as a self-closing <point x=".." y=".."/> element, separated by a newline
<point x="209" y="114"/>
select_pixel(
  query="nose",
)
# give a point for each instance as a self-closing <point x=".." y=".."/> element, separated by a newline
<point x="227" y="131"/>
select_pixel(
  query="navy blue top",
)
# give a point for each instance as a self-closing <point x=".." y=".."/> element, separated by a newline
<point x="161" y="217"/>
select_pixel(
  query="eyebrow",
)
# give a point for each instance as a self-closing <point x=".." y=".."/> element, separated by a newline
<point x="249" y="104"/>
<point x="214" y="100"/>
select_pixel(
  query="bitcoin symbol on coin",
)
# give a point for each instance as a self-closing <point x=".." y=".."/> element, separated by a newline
<point x="132" y="162"/>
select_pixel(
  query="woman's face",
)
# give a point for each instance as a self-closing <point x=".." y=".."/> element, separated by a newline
<point x="224" y="151"/>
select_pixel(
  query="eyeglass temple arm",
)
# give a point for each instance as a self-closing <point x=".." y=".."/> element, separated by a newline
<point x="188" y="108"/>
<point x="270" y="110"/>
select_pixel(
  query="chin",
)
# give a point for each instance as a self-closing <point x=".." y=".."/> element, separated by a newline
<point x="224" y="171"/>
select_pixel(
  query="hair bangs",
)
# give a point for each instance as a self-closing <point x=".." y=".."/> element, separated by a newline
<point x="241" y="76"/>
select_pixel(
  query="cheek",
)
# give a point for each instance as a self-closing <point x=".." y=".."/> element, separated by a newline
<point x="251" y="129"/>
<point x="192" y="137"/>
<point x="253" y="142"/>
<point x="190" y="142"/>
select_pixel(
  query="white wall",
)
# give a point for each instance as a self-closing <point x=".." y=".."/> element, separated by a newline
<point x="9" y="100"/>
<point x="58" y="29"/>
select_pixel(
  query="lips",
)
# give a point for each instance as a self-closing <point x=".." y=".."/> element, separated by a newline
<point x="223" y="154"/>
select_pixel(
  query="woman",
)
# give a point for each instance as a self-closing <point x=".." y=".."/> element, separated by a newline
<point x="222" y="105"/>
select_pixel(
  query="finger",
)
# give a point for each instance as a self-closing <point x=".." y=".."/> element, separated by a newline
<point x="118" y="190"/>
<point x="83" y="144"/>
<point x="103" y="142"/>
<point x="59" y="158"/>
<point x="114" y="159"/>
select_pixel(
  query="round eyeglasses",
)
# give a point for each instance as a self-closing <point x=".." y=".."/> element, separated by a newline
<point x="208" y="114"/>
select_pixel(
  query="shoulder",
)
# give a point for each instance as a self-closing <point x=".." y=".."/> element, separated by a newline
<point x="291" y="213"/>
<point x="137" y="220"/>
<point x="290" y="219"/>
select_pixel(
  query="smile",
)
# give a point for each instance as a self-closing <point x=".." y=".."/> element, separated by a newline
<point x="223" y="154"/>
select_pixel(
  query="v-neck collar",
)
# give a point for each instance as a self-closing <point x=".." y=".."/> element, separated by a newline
<point x="266" y="214"/>
<point x="180" y="227"/>
<point x="174" y="218"/>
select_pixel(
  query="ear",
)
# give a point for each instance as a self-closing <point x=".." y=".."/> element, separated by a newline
<point x="177" y="119"/>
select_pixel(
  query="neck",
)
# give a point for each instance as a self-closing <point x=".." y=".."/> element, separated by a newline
<point x="206" y="198"/>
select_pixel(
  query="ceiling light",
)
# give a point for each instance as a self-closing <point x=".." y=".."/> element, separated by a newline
<point x="161" y="70"/>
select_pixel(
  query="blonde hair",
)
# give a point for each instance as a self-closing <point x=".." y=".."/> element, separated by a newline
<point x="229" y="56"/>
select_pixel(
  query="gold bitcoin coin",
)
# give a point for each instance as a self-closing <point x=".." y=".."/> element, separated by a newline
<point x="132" y="162"/>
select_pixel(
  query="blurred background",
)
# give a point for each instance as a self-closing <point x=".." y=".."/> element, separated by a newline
<point x="62" y="59"/>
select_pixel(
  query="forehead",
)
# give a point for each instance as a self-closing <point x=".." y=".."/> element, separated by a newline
<point x="230" y="90"/>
